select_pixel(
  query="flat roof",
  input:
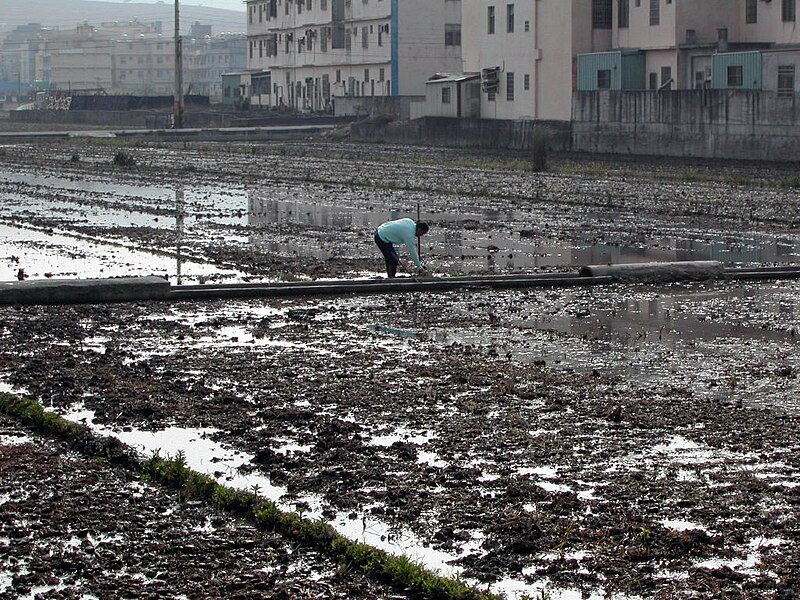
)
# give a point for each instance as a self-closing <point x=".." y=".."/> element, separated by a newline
<point x="452" y="77"/>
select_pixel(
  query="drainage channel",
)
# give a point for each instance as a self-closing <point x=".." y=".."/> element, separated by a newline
<point x="129" y="289"/>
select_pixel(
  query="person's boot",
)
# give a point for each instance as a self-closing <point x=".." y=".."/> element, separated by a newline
<point x="391" y="271"/>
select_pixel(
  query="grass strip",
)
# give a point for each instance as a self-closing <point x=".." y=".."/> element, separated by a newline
<point x="172" y="472"/>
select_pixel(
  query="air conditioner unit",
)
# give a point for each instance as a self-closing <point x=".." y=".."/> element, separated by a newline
<point x="490" y="79"/>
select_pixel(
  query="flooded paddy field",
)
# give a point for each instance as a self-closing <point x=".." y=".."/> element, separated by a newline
<point x="628" y="441"/>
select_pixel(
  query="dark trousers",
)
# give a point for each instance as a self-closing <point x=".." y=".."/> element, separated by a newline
<point x="389" y="255"/>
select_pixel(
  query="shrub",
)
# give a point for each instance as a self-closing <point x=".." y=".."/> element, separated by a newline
<point x="123" y="159"/>
<point x="541" y="138"/>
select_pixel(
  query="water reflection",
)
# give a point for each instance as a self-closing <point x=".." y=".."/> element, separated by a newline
<point x="180" y="216"/>
<point x="323" y="221"/>
<point x="689" y="335"/>
<point x="462" y="242"/>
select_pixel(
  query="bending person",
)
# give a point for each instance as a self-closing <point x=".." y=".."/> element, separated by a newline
<point x="401" y="231"/>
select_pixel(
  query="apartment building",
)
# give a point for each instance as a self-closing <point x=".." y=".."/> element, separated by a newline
<point x="76" y="60"/>
<point x="533" y="53"/>
<point x="696" y="44"/>
<point x="113" y="57"/>
<point x="143" y="58"/>
<point x="311" y="51"/>
<point x="525" y="50"/>
<point x="134" y="58"/>
<point x="18" y="53"/>
<point x="208" y="58"/>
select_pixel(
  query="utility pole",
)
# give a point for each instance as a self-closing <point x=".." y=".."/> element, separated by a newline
<point x="178" y="124"/>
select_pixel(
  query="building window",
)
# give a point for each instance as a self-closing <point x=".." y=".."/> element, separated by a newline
<point x="655" y="12"/>
<point x="490" y="20"/>
<point x="735" y="76"/>
<point x="526" y="82"/>
<point x="652" y="81"/>
<point x="623" y="14"/>
<point x="601" y="14"/>
<point x="510" y="87"/>
<point x="366" y="74"/>
<point x="788" y="11"/>
<point x="666" y="77"/>
<point x="699" y="80"/>
<point x="445" y="95"/>
<point x="364" y="37"/>
<point x="786" y="80"/>
<point x="491" y="96"/>
<point x="604" y="79"/>
<point x="452" y="34"/>
<point x="382" y="74"/>
<point x="751" y="11"/>
<point x="510" y="18"/>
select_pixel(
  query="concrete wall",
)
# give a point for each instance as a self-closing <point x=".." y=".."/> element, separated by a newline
<point x="112" y="118"/>
<point x="465" y="133"/>
<point x="375" y="106"/>
<point x="144" y="119"/>
<point x="705" y="123"/>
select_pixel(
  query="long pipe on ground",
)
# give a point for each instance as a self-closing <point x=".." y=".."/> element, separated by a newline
<point x="377" y="286"/>
<point x="129" y="289"/>
<point x="591" y="275"/>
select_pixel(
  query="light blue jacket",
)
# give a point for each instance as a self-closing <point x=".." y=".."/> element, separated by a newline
<point x="401" y="231"/>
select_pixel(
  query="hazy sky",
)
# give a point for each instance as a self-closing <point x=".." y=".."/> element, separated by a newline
<point x="229" y="4"/>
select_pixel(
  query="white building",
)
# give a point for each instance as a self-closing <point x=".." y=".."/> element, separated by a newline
<point x="451" y="95"/>
<point x="696" y="44"/>
<point x="316" y="50"/>
<point x="529" y="47"/>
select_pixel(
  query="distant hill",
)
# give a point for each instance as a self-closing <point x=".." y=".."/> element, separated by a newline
<point x="66" y="14"/>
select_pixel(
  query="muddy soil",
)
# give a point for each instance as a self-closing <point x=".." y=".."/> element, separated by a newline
<point x="306" y="209"/>
<point x="74" y="527"/>
<point x="565" y="436"/>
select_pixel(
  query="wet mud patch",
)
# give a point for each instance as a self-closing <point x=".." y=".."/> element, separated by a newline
<point x="73" y="526"/>
<point x="521" y="471"/>
<point x="634" y="439"/>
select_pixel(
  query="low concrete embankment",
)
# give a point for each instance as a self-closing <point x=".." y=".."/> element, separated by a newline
<point x="132" y="289"/>
<point x="80" y="291"/>
<point x="286" y="132"/>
